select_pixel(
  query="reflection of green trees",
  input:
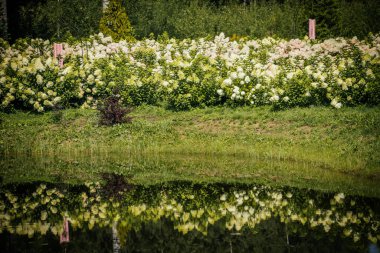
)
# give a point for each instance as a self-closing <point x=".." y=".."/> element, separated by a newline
<point x="184" y="213"/>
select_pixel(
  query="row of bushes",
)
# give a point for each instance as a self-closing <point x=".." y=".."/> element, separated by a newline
<point x="183" y="74"/>
<point x="195" y="18"/>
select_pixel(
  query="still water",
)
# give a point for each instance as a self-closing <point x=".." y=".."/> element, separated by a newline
<point x="116" y="216"/>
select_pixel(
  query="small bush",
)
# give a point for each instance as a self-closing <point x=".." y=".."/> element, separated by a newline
<point x="113" y="112"/>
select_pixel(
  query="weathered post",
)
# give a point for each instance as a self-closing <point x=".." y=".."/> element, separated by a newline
<point x="58" y="53"/>
<point x="312" y="29"/>
<point x="115" y="239"/>
<point x="65" y="237"/>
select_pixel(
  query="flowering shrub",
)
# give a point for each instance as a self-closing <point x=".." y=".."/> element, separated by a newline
<point x="183" y="74"/>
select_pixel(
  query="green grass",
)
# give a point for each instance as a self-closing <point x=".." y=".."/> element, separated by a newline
<point x="319" y="148"/>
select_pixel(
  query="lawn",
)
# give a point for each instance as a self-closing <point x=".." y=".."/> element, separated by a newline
<point x="320" y="148"/>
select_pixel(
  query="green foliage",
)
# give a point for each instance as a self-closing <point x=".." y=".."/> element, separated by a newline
<point x="57" y="116"/>
<point x="115" y="22"/>
<point x="3" y="24"/>
<point x="3" y="44"/>
<point x="327" y="19"/>
<point x="373" y="90"/>
<point x="195" y="18"/>
<point x="257" y="18"/>
<point x="56" y="18"/>
<point x="297" y="93"/>
<point x="198" y="89"/>
<point x="358" y="18"/>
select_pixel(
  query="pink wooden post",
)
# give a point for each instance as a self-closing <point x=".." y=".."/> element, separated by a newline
<point x="65" y="234"/>
<point x="58" y="48"/>
<point x="312" y="29"/>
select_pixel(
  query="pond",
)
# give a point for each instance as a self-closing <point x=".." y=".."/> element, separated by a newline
<point x="181" y="216"/>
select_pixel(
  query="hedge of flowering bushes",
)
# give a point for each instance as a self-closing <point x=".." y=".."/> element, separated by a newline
<point x="182" y="74"/>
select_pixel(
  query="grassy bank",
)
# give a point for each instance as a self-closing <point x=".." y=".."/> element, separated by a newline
<point x="321" y="148"/>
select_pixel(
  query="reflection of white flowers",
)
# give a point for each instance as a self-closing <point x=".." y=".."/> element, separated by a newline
<point x="339" y="197"/>
<point x="39" y="79"/>
<point x="43" y="215"/>
<point x="242" y="209"/>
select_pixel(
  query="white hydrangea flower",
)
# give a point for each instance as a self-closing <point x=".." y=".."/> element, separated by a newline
<point x="227" y="81"/>
<point x="274" y="98"/>
<point x="39" y="79"/>
<point x="336" y="104"/>
<point x="241" y="75"/>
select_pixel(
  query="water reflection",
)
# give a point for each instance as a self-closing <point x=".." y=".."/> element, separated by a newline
<point x="183" y="217"/>
<point x="150" y="168"/>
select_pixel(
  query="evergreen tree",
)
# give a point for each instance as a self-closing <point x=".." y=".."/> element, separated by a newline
<point x="115" y="22"/>
<point x="326" y="14"/>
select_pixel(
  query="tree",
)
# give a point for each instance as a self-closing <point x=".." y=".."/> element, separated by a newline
<point x="55" y="18"/>
<point x="115" y="22"/>
<point x="326" y="14"/>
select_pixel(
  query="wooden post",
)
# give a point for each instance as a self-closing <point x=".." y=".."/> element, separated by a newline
<point x="312" y="29"/>
<point x="115" y="239"/>
<point x="58" y="53"/>
<point x="65" y="237"/>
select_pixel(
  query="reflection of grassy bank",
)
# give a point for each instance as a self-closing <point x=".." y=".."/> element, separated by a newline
<point x="318" y="147"/>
